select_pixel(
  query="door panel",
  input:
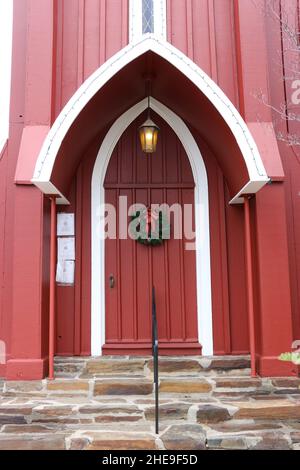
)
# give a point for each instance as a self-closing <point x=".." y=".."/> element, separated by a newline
<point x="164" y="177"/>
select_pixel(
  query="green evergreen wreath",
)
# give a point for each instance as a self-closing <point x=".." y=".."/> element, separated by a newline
<point x="146" y="234"/>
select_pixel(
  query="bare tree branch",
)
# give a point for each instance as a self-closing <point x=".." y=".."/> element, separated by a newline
<point x="287" y="22"/>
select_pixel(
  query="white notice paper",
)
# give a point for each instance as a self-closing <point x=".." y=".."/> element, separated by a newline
<point x="66" y="249"/>
<point x="65" y="272"/>
<point x="65" y="224"/>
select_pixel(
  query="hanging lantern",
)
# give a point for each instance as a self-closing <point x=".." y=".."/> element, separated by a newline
<point x="148" y="136"/>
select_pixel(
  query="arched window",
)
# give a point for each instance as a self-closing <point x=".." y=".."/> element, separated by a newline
<point x="147" y="17"/>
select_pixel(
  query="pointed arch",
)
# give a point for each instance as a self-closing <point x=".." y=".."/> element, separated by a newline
<point x="249" y="151"/>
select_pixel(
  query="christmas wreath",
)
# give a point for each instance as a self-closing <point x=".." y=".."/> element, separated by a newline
<point x="151" y="227"/>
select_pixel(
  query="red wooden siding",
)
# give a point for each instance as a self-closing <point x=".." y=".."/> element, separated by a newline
<point x="4" y="320"/>
<point x="99" y="28"/>
<point x="191" y="24"/>
<point x="88" y="32"/>
<point x="281" y="92"/>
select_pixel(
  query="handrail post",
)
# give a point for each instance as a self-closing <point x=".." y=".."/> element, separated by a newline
<point x="155" y="360"/>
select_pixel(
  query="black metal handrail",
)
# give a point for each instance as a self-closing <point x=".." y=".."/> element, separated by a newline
<point x="155" y="359"/>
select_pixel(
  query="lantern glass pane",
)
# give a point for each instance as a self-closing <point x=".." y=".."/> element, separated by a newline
<point x="155" y="135"/>
<point x="148" y="137"/>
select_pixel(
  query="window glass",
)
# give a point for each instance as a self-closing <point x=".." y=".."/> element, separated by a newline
<point x="148" y="16"/>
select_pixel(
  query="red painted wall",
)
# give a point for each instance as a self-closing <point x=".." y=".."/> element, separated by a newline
<point x="203" y="30"/>
<point x="281" y="93"/>
<point x="88" y="32"/>
<point x="4" y="320"/>
<point x="57" y="45"/>
<point x="7" y="170"/>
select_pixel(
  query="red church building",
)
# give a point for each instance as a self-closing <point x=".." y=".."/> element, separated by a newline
<point x="86" y="75"/>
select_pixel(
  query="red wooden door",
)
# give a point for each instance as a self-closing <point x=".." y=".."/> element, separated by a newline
<point x="164" y="177"/>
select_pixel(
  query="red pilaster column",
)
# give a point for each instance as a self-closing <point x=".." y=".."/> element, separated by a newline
<point x="34" y="64"/>
<point x="29" y="358"/>
<point x="275" y="316"/>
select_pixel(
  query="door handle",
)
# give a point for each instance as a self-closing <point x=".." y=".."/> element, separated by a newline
<point x="111" y="281"/>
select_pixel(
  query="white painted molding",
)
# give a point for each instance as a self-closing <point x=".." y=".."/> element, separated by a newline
<point x="136" y="20"/>
<point x="203" y="270"/>
<point x="49" y="189"/>
<point x="57" y="133"/>
<point x="251" y="187"/>
<point x="160" y="19"/>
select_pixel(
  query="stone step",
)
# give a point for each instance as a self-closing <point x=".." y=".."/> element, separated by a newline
<point x="224" y="387"/>
<point x="186" y="422"/>
<point x="33" y="442"/>
<point x="106" y="386"/>
<point x="135" y="409"/>
<point x="263" y="441"/>
<point x="89" y="367"/>
<point x="108" y="403"/>
<point x="173" y="437"/>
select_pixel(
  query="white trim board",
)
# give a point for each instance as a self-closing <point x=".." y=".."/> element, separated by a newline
<point x="46" y="159"/>
<point x="203" y="270"/>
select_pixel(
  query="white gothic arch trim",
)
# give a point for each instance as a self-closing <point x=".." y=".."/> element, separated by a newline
<point x="46" y="159"/>
<point x="203" y="273"/>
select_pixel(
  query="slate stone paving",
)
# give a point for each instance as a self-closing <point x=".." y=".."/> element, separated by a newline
<point x="107" y="403"/>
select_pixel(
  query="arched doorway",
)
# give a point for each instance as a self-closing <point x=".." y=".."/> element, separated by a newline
<point x="131" y="268"/>
<point x="202" y="253"/>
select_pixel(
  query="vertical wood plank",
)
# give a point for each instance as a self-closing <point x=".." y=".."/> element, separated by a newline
<point x="78" y="271"/>
<point x="212" y="40"/>
<point x="80" y="43"/>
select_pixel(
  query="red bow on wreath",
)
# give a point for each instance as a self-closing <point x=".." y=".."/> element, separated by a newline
<point x="152" y="228"/>
<point x="151" y="220"/>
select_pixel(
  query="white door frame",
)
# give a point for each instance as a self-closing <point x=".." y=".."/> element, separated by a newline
<point x="203" y="272"/>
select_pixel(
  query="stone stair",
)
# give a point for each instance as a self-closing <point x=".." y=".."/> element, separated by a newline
<point x="108" y="403"/>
